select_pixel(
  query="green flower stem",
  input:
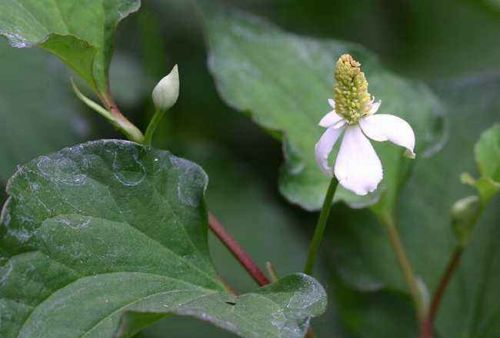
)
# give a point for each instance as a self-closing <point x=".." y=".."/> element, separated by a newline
<point x="153" y="124"/>
<point x="320" y="227"/>
<point x="404" y="263"/>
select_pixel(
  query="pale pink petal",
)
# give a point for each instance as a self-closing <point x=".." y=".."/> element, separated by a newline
<point x="331" y="102"/>
<point x="324" y="147"/>
<point x="357" y="166"/>
<point x="330" y="119"/>
<point x="375" y="107"/>
<point x="339" y="124"/>
<point x="384" y="127"/>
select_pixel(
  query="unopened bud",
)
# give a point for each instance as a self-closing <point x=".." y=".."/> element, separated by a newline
<point x="166" y="92"/>
<point x="464" y="215"/>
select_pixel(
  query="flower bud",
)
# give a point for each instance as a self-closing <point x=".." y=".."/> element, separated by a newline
<point x="166" y="91"/>
<point x="464" y="214"/>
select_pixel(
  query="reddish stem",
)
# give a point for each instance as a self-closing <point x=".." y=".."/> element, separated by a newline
<point x="243" y="257"/>
<point x="427" y="330"/>
<point x="110" y="104"/>
<point x="238" y="252"/>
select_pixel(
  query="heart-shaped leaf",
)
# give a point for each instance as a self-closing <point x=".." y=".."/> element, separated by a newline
<point x="79" y="32"/>
<point x="284" y="81"/>
<point x="108" y="227"/>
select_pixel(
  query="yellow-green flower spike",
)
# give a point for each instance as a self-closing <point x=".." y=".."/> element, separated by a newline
<point x="352" y="100"/>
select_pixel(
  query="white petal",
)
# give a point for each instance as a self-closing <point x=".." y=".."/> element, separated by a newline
<point x="332" y="103"/>
<point x="339" y="124"/>
<point x="375" y="107"/>
<point x="357" y="166"/>
<point x="324" y="147"/>
<point x="330" y="119"/>
<point x="391" y="128"/>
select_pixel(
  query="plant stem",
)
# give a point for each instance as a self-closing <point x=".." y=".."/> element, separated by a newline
<point x="404" y="263"/>
<point x="120" y="121"/>
<point x="427" y="329"/>
<point x="238" y="252"/>
<point x="320" y="227"/>
<point x="153" y="124"/>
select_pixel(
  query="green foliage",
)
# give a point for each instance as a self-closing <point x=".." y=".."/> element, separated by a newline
<point x="361" y="254"/>
<point x="80" y="33"/>
<point x="487" y="152"/>
<point x="284" y="81"/>
<point x="109" y="227"/>
<point x="103" y="240"/>
<point x="37" y="114"/>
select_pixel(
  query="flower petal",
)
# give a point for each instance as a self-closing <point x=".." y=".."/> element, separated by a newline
<point x="330" y="119"/>
<point x="331" y="102"/>
<point x="384" y="127"/>
<point x="375" y="107"/>
<point x="324" y="147"/>
<point x="357" y="166"/>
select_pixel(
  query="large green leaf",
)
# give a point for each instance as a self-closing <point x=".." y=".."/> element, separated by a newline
<point x="284" y="80"/>
<point x="37" y="112"/>
<point x="360" y="251"/>
<point x="256" y="216"/>
<point x="108" y="227"/>
<point x="79" y="32"/>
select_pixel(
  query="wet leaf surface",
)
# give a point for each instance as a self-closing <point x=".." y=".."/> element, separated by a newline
<point x="108" y="227"/>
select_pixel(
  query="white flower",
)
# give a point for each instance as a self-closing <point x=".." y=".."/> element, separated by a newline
<point x="357" y="166"/>
<point x="166" y="92"/>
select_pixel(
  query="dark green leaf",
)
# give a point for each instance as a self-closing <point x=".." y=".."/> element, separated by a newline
<point x="284" y="80"/>
<point x="79" y="32"/>
<point x="108" y="227"/>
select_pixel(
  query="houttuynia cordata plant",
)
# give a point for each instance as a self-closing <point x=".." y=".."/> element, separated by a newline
<point x="129" y="236"/>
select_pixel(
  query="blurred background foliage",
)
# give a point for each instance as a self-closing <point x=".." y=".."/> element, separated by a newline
<point x="452" y="45"/>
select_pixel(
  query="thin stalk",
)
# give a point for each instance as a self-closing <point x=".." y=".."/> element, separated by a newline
<point x="120" y="121"/>
<point x="427" y="330"/>
<point x="405" y="264"/>
<point x="111" y="113"/>
<point x="153" y="124"/>
<point x="238" y="252"/>
<point x="320" y="227"/>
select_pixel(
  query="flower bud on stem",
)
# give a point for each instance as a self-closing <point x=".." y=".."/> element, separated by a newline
<point x="165" y="95"/>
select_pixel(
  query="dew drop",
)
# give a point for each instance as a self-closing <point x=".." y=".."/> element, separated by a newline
<point x="61" y="169"/>
<point x="16" y="40"/>
<point x="128" y="170"/>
